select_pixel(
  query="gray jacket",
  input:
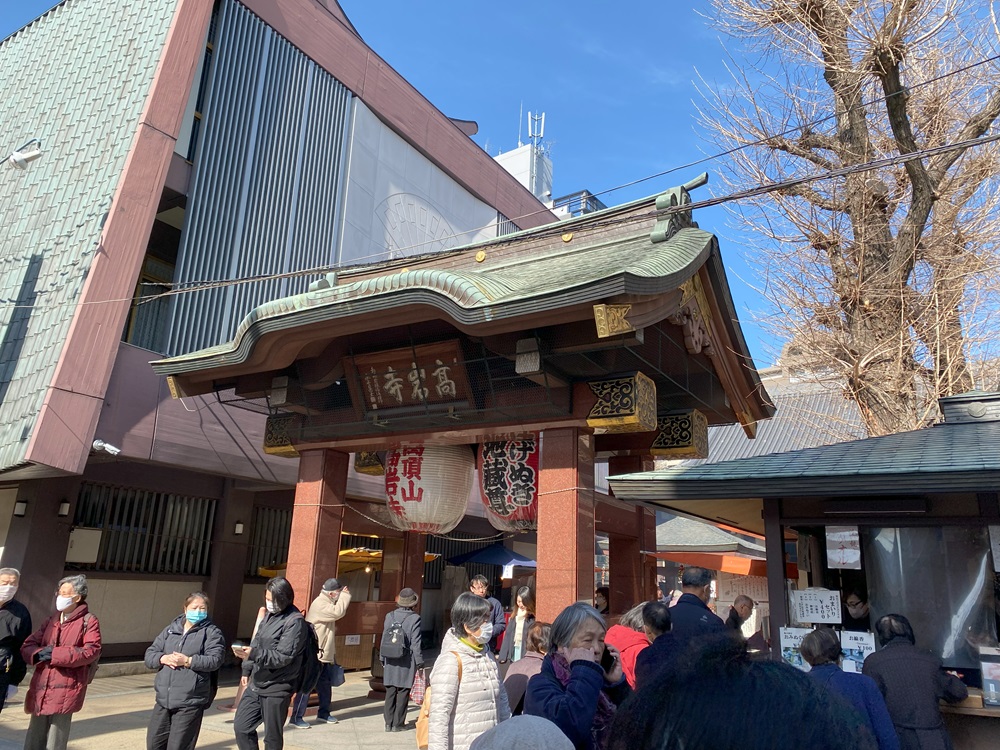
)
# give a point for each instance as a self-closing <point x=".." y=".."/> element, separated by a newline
<point x="183" y="687"/>
<point x="400" y="672"/>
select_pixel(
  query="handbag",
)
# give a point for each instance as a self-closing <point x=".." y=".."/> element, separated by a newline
<point x="337" y="677"/>
<point x="424" y="717"/>
<point x="419" y="686"/>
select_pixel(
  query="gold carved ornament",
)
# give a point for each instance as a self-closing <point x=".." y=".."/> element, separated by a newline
<point x="624" y="404"/>
<point x="276" y="439"/>
<point x="612" y="320"/>
<point x="681" y="435"/>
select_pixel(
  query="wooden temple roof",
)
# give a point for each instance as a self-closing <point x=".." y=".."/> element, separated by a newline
<point x="641" y="281"/>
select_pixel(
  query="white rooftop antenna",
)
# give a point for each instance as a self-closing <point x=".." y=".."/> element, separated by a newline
<point x="536" y="128"/>
<point x="520" y="119"/>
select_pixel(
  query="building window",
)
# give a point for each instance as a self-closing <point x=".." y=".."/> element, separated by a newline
<point x="147" y="532"/>
<point x="268" y="551"/>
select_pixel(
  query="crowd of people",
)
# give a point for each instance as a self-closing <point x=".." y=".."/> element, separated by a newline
<point x="648" y="681"/>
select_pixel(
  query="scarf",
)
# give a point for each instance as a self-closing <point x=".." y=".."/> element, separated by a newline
<point x="601" y="725"/>
<point x="477" y="647"/>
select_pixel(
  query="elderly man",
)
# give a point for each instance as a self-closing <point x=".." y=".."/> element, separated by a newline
<point x="740" y="612"/>
<point x="15" y="627"/>
<point x="691" y="615"/>
<point x="326" y="609"/>
<point x="481" y="587"/>
<point x="63" y="651"/>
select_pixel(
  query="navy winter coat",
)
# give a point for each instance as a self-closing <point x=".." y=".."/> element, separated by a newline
<point x="572" y="708"/>
<point x="15" y="627"/>
<point x="862" y="693"/>
<point x="186" y="687"/>
<point x="691" y="616"/>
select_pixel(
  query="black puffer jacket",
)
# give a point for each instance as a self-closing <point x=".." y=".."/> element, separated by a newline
<point x="183" y="687"/>
<point x="15" y="627"/>
<point x="275" y="659"/>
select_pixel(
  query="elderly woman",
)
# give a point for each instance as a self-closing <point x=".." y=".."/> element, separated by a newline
<point x="574" y="690"/>
<point x="629" y="637"/>
<point x="913" y="684"/>
<point x="62" y="651"/>
<point x="516" y="681"/>
<point x="187" y="654"/>
<point x="516" y="634"/>
<point x="821" y="649"/>
<point x="467" y="698"/>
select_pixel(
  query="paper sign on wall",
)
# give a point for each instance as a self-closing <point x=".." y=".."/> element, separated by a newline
<point x="352" y="640"/>
<point x="857" y="646"/>
<point x="817" y="605"/>
<point x="843" y="547"/>
<point x="791" y="639"/>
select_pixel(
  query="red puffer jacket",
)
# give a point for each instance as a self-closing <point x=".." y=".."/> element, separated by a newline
<point x="60" y="685"/>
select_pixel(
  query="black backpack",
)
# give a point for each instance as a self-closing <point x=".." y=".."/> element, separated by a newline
<point x="394" y="644"/>
<point x="311" y="665"/>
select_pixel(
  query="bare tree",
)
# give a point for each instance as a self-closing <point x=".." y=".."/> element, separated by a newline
<point x="881" y="275"/>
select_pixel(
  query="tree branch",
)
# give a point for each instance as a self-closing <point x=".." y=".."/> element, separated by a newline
<point x="814" y="198"/>
<point x="793" y="148"/>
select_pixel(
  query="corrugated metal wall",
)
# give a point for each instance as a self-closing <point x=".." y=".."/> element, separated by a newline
<point x="266" y="180"/>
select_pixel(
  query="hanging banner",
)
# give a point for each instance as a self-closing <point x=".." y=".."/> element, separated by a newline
<point x="791" y="639"/>
<point x="817" y="605"/>
<point x="508" y="483"/>
<point x="857" y="646"/>
<point x="843" y="547"/>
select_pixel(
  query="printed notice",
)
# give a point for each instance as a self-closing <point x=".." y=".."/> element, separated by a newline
<point x="856" y="647"/>
<point x="791" y="639"/>
<point x="817" y="605"/>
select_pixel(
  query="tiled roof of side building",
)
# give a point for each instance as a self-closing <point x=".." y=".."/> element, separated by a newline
<point x="809" y="412"/>
<point x="77" y="78"/>
<point x="686" y="535"/>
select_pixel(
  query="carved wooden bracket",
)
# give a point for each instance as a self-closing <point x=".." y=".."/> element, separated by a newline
<point x="612" y="320"/>
<point x="691" y="317"/>
<point x="624" y="404"/>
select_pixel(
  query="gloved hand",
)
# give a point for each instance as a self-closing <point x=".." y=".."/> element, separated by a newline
<point x="44" y="655"/>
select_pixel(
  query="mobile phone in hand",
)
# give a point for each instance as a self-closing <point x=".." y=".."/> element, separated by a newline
<point x="607" y="660"/>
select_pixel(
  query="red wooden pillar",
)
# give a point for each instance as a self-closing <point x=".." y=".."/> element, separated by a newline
<point x="565" y="571"/>
<point x="317" y="520"/>
<point x="632" y="575"/>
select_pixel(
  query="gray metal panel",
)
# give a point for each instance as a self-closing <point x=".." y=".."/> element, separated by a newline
<point x="266" y="182"/>
<point x="76" y="78"/>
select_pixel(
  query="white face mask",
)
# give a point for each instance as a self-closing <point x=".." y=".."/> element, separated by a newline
<point x="272" y="607"/>
<point x="63" y="603"/>
<point x="7" y="593"/>
<point x="485" y="634"/>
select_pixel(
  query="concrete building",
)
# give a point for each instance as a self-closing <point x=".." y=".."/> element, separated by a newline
<point x="199" y="160"/>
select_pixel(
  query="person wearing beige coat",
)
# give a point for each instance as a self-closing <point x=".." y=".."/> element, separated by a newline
<point x="465" y="705"/>
<point x="326" y="609"/>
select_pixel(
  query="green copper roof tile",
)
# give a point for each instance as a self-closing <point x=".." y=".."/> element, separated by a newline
<point x="76" y="78"/>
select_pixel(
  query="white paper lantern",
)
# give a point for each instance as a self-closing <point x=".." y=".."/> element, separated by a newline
<point x="427" y="486"/>
<point x="508" y="483"/>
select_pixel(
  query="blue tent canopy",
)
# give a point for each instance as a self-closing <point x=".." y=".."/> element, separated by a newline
<point x="495" y="554"/>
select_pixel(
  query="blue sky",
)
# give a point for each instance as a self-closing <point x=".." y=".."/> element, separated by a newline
<point x="616" y="83"/>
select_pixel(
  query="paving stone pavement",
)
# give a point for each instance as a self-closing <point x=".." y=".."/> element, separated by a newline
<point x="117" y="709"/>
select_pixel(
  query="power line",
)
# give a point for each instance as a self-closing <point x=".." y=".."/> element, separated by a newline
<point x="558" y="228"/>
<point x="728" y="152"/>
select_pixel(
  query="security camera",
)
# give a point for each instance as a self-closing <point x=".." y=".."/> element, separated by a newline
<point x="26" y="154"/>
<point x="101" y="447"/>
